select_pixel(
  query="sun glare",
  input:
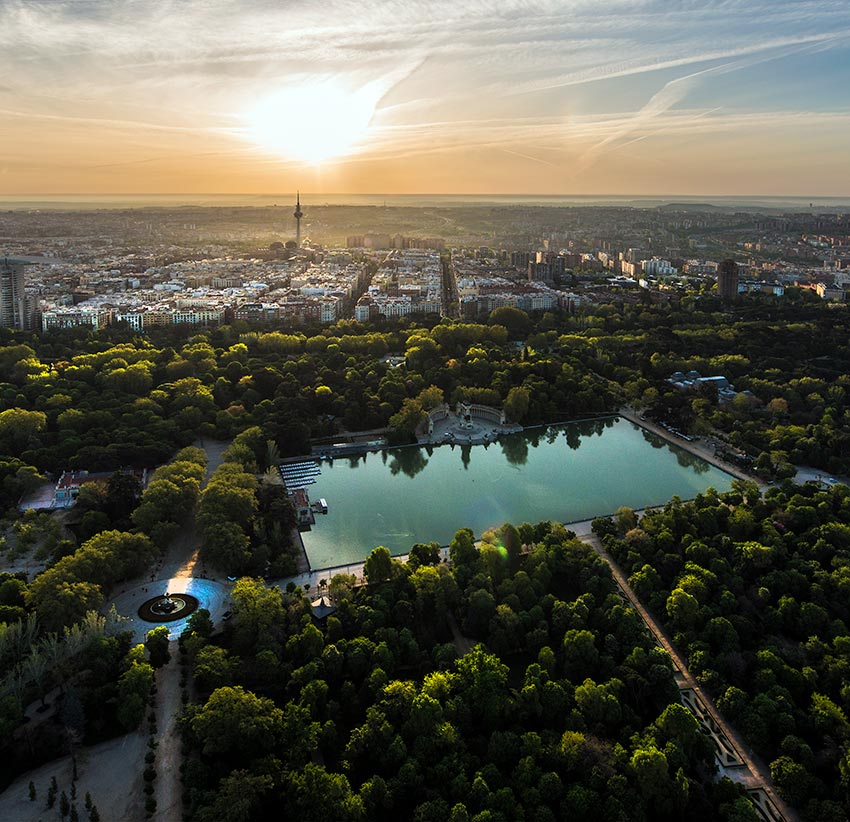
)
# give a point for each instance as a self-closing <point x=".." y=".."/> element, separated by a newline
<point x="312" y="123"/>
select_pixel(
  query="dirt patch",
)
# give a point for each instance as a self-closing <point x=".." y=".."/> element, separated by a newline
<point x="111" y="772"/>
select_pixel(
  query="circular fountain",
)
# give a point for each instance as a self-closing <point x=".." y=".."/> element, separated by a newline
<point x="168" y="607"/>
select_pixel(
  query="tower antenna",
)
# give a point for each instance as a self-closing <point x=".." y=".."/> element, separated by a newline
<point x="298" y="215"/>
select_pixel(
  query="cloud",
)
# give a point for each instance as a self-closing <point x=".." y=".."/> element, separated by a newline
<point x="538" y="79"/>
<point x="674" y="91"/>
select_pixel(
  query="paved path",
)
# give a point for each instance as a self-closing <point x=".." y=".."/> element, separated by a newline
<point x="169" y="757"/>
<point x="759" y="775"/>
<point x="463" y="643"/>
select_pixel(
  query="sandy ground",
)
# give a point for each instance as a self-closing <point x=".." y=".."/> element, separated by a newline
<point x="111" y="772"/>
<point x="27" y="561"/>
<point x="169" y="804"/>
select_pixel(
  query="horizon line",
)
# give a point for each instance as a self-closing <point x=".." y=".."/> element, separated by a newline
<point x="642" y="196"/>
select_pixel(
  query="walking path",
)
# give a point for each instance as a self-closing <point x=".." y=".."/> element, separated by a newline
<point x="112" y="770"/>
<point x="697" y="447"/>
<point x="181" y="564"/>
<point x="169" y="757"/>
<point x="757" y="776"/>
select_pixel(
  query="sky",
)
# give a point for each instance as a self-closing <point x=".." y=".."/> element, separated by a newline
<point x="556" y="97"/>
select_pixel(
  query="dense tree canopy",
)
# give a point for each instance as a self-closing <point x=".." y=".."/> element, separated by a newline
<point x="564" y="709"/>
<point x="754" y="589"/>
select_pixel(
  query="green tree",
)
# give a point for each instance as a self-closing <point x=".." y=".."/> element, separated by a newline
<point x="650" y="767"/>
<point x="515" y="320"/>
<point x="237" y="722"/>
<point x="200" y="623"/>
<point x="18" y="426"/>
<point x="259" y="613"/>
<point x="409" y="418"/>
<point x="315" y="792"/>
<point x="213" y="668"/>
<point x="517" y="404"/>
<point x="64" y="602"/>
<point x="431" y="397"/>
<point x="133" y="688"/>
<point x="792" y="780"/>
<point x="422" y="554"/>
<point x="378" y="566"/>
<point x="682" y="608"/>
<point x="156" y="642"/>
<point x="237" y="797"/>
<point x="482" y="680"/>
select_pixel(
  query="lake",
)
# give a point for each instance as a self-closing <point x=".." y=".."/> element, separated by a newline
<point x="572" y="472"/>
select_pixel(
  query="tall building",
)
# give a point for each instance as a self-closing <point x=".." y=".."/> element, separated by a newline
<point x="298" y="215"/>
<point x="727" y="280"/>
<point x="13" y="303"/>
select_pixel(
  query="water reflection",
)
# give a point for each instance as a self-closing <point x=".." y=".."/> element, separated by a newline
<point x="573" y="437"/>
<point x="408" y="461"/>
<point x="688" y="460"/>
<point x="685" y="458"/>
<point x="515" y="448"/>
<point x="466" y="456"/>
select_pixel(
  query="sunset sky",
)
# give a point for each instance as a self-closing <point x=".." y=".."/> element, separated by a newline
<point x="425" y="96"/>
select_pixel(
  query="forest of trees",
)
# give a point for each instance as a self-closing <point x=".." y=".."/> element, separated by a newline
<point x="754" y="590"/>
<point x="563" y="707"/>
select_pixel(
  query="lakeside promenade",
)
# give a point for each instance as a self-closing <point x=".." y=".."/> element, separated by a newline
<point x="698" y="447"/>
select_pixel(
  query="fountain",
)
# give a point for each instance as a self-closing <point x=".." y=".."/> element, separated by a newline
<point x="168" y="608"/>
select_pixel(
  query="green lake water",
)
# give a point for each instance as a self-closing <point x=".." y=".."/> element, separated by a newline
<point x="568" y="473"/>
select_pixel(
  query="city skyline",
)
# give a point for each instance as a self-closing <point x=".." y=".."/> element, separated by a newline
<point x="549" y="98"/>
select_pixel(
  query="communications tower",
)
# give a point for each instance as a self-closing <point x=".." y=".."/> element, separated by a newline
<point x="298" y="215"/>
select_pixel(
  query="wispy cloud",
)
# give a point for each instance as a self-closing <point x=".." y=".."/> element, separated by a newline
<point x="540" y="81"/>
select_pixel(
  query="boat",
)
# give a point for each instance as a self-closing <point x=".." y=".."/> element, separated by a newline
<point x="314" y="470"/>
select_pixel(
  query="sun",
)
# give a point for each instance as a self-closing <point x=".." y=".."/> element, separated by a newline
<point x="312" y="123"/>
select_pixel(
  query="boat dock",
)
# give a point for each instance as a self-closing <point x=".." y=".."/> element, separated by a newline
<point x="297" y="476"/>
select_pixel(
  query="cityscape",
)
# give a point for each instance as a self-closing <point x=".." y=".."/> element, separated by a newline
<point x="425" y="412"/>
<point x="66" y="269"/>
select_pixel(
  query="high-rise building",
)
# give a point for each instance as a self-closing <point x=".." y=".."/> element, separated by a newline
<point x="727" y="280"/>
<point x="14" y="311"/>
